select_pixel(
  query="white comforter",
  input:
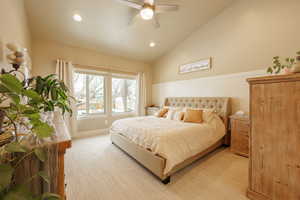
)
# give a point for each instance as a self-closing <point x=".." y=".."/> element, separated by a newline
<point x="173" y="140"/>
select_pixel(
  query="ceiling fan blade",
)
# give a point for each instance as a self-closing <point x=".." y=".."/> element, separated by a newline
<point x="132" y="4"/>
<point x="151" y="2"/>
<point x="166" y="8"/>
<point x="133" y="17"/>
<point x="156" y="22"/>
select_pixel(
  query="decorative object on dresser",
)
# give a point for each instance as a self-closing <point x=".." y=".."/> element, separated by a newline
<point x="296" y="66"/>
<point x="274" y="138"/>
<point x="289" y="65"/>
<point x="151" y="110"/>
<point x="204" y="64"/>
<point x="240" y="128"/>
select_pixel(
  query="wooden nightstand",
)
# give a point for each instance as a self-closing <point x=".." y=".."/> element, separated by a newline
<point x="152" y="110"/>
<point x="240" y="129"/>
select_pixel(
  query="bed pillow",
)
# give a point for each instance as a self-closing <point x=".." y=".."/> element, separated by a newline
<point x="170" y="114"/>
<point x="208" y="114"/>
<point x="178" y="116"/>
<point x="161" y="112"/>
<point x="194" y="116"/>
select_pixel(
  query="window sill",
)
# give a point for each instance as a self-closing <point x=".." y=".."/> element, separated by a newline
<point x="103" y="115"/>
<point x="91" y="116"/>
<point x="124" y="113"/>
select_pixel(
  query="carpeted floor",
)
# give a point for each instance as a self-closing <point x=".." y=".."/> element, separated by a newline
<point x="97" y="170"/>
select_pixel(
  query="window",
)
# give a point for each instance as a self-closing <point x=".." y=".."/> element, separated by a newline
<point x="89" y="93"/>
<point x="123" y="95"/>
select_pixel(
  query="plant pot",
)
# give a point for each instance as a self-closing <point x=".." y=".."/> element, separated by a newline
<point x="287" y="71"/>
<point x="296" y="67"/>
<point x="48" y="117"/>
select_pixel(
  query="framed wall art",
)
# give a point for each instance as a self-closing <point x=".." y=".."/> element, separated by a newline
<point x="204" y="64"/>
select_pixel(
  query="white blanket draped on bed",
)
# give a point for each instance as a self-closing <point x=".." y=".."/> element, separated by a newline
<point x="173" y="140"/>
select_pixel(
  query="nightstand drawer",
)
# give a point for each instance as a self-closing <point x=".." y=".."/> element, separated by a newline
<point x="240" y="129"/>
<point x="244" y="133"/>
<point x="243" y="126"/>
<point x="241" y="145"/>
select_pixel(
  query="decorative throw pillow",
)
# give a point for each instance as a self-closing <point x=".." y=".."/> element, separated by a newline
<point x="178" y="116"/>
<point x="208" y="114"/>
<point x="170" y="114"/>
<point x="161" y="112"/>
<point x="194" y="116"/>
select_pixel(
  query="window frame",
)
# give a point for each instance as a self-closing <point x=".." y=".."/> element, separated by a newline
<point x="95" y="73"/>
<point x="107" y="84"/>
<point x="128" y="77"/>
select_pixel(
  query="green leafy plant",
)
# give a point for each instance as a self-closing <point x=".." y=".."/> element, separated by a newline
<point x="21" y="103"/>
<point x="53" y="92"/>
<point x="298" y="56"/>
<point x="278" y="65"/>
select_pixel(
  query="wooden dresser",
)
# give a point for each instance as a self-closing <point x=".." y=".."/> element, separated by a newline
<point x="240" y="128"/>
<point x="274" y="172"/>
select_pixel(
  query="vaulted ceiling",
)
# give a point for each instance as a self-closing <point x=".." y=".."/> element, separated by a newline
<point x="105" y="25"/>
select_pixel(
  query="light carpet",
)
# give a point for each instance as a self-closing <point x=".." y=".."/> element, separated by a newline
<point x="97" y="170"/>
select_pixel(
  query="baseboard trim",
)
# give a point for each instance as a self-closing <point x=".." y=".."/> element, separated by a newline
<point x="91" y="133"/>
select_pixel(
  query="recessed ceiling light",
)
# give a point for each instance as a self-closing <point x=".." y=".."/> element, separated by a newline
<point x="77" y="18"/>
<point x="152" y="44"/>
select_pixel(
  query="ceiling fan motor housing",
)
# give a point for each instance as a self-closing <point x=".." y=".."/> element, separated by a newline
<point x="148" y="5"/>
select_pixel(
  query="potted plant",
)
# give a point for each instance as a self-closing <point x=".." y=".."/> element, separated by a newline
<point x="21" y="105"/>
<point x="296" y="66"/>
<point x="53" y="93"/>
<point x="288" y="66"/>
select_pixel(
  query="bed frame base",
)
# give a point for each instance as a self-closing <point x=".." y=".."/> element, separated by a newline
<point x="154" y="163"/>
<point x="167" y="180"/>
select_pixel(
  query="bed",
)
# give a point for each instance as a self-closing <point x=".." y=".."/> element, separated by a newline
<point x="165" y="146"/>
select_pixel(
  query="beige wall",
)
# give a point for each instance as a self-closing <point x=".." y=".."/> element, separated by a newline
<point x="228" y="85"/>
<point x="46" y="52"/>
<point x="244" y="37"/>
<point x="13" y="23"/>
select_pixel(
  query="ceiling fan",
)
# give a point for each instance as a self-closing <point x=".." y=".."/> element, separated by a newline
<point x="148" y="9"/>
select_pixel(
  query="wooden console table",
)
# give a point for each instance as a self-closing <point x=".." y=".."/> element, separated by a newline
<point x="55" y="164"/>
<point x="64" y="142"/>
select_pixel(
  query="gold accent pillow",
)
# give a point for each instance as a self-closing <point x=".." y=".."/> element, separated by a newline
<point x="161" y="112"/>
<point x="194" y="116"/>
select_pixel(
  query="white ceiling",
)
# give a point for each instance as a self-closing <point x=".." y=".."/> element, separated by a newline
<point x="104" y="27"/>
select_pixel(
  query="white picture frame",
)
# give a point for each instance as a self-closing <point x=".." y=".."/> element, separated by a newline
<point x="204" y="64"/>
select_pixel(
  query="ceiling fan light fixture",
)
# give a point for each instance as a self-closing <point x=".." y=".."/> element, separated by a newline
<point x="77" y="18"/>
<point x="147" y="12"/>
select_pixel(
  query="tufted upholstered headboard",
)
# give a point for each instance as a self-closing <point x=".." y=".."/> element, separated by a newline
<point x="221" y="105"/>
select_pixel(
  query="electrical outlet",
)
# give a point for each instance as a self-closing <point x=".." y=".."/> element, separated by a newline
<point x="106" y="122"/>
